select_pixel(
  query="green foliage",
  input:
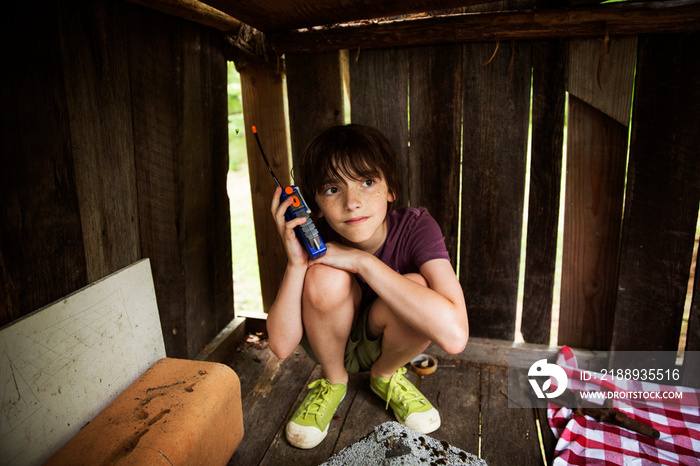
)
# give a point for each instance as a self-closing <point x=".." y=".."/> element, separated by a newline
<point x="235" y="103"/>
<point x="247" y="295"/>
<point x="237" y="156"/>
<point x="236" y="127"/>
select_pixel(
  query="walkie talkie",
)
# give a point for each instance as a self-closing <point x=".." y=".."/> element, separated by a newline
<point x="306" y="232"/>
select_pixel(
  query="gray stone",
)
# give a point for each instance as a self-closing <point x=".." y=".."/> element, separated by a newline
<point x="393" y="444"/>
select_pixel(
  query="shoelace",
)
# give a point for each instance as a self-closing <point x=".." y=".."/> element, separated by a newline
<point x="322" y="392"/>
<point x="405" y="393"/>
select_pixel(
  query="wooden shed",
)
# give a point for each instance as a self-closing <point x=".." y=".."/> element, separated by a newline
<point x="507" y="117"/>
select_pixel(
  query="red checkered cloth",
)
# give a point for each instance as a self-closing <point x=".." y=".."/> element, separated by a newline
<point x="583" y="440"/>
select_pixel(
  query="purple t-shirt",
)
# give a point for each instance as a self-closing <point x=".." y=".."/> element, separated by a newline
<point x="413" y="238"/>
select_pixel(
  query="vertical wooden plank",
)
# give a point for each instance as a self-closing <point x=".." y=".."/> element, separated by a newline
<point x="263" y="106"/>
<point x="178" y="98"/>
<point x="663" y="192"/>
<point x="495" y="114"/>
<point x="596" y="157"/>
<point x="42" y="257"/>
<point x="156" y="85"/>
<point x="602" y="72"/>
<point x="205" y="211"/>
<point x="219" y="238"/>
<point x="548" y="101"/>
<point x="379" y="98"/>
<point x="595" y="170"/>
<point x="435" y="132"/>
<point x="97" y="93"/>
<point x="315" y="94"/>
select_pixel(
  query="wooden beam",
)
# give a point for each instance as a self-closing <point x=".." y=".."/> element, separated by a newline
<point x="286" y="15"/>
<point x="597" y="21"/>
<point x="192" y="10"/>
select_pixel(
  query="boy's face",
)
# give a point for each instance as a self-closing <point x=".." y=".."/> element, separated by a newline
<point x="356" y="209"/>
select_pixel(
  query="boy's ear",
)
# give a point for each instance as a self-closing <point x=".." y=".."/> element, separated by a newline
<point x="390" y="197"/>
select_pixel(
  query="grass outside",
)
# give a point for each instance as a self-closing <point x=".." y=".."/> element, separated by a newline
<point x="246" y="276"/>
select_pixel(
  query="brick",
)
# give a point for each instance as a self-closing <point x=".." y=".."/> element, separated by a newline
<point x="179" y="412"/>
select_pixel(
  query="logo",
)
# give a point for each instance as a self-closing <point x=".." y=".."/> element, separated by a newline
<point x="543" y="368"/>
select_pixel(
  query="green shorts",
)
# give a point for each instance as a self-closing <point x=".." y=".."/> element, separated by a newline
<point x="360" y="350"/>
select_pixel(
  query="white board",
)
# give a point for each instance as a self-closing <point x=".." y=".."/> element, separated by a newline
<point x="61" y="365"/>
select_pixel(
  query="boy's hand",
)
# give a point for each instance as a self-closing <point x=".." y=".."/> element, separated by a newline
<point x="295" y="252"/>
<point x="341" y="257"/>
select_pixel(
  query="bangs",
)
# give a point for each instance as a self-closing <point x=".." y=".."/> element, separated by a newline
<point x="342" y="165"/>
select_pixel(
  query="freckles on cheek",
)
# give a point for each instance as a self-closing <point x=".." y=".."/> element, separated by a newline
<point x="325" y="205"/>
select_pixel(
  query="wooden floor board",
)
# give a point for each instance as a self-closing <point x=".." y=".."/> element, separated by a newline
<point x="508" y="435"/>
<point x="267" y="400"/>
<point x="454" y="390"/>
<point x="366" y="412"/>
<point x="471" y="397"/>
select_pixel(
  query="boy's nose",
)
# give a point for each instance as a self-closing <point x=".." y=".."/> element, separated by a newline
<point x="352" y="200"/>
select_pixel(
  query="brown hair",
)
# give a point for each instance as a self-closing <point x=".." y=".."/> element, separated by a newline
<point x="354" y="151"/>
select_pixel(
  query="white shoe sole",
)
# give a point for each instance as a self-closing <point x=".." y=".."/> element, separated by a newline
<point x="305" y="437"/>
<point x="424" y="423"/>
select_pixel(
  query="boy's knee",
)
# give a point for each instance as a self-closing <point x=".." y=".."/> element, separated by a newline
<point x="326" y="287"/>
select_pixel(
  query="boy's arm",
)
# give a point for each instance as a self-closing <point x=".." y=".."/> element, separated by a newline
<point x="441" y="279"/>
<point x="439" y="310"/>
<point x="284" y="323"/>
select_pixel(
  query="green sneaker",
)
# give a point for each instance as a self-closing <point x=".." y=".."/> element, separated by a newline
<point x="410" y="407"/>
<point x="309" y="425"/>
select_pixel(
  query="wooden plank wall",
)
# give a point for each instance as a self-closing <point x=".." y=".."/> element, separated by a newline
<point x="458" y="116"/>
<point x="600" y="82"/>
<point x="40" y="216"/>
<point x="663" y="192"/>
<point x="113" y="147"/>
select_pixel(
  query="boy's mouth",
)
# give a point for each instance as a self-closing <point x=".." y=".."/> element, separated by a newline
<point x="355" y="221"/>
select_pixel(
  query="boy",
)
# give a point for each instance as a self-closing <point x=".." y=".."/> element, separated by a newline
<point x="382" y="292"/>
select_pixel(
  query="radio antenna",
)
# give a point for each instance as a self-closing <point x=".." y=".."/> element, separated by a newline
<point x="255" y="132"/>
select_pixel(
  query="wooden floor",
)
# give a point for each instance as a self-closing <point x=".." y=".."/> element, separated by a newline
<point x="470" y="394"/>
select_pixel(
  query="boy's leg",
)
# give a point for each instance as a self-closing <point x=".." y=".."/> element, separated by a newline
<point x="329" y="307"/>
<point x="329" y="302"/>
<point x="400" y="344"/>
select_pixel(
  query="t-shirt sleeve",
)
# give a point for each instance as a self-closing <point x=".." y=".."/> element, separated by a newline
<point x="426" y="240"/>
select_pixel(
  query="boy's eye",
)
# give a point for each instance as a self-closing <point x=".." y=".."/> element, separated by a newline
<point x="330" y="190"/>
<point x="368" y="183"/>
